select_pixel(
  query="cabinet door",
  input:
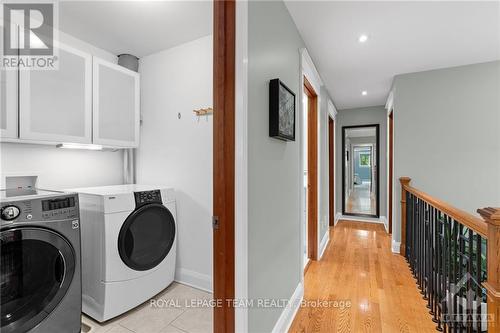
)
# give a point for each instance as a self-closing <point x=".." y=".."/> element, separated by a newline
<point x="115" y="105"/>
<point x="8" y="98"/>
<point x="56" y="105"/>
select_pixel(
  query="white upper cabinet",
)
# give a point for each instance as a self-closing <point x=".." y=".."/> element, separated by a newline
<point x="116" y="105"/>
<point x="56" y="105"/>
<point x="8" y="99"/>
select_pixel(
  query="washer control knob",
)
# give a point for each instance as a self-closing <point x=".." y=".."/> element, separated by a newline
<point x="9" y="213"/>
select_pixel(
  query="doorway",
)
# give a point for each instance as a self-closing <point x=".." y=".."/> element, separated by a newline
<point x="360" y="174"/>
<point x="331" y="170"/>
<point x="311" y="173"/>
<point x="391" y="168"/>
<point x="224" y="164"/>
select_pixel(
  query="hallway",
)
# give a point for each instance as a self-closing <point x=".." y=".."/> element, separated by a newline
<point x="361" y="200"/>
<point x="358" y="266"/>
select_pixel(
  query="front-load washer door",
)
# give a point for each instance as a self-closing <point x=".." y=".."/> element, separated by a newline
<point x="37" y="268"/>
<point x="146" y="237"/>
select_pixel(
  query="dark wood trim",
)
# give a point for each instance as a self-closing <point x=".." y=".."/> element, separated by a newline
<point x="467" y="219"/>
<point x="402" y="247"/>
<point x="312" y="170"/>
<point x="491" y="217"/>
<point x="377" y="131"/>
<point x="331" y="174"/>
<point x="391" y="169"/>
<point x="224" y="162"/>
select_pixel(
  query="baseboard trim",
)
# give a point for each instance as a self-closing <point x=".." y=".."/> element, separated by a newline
<point x="337" y="218"/>
<point x="194" y="279"/>
<point x="396" y="246"/>
<point x="383" y="219"/>
<point x="288" y="315"/>
<point x="380" y="220"/>
<point x="324" y="244"/>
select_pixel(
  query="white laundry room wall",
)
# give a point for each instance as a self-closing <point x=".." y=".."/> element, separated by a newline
<point x="176" y="147"/>
<point x="63" y="168"/>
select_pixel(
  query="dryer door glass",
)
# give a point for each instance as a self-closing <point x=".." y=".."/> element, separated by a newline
<point x="146" y="237"/>
<point x="37" y="270"/>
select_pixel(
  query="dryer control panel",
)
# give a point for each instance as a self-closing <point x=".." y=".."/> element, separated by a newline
<point x="147" y="197"/>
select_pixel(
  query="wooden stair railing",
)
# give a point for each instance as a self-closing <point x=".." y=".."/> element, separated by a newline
<point x="455" y="259"/>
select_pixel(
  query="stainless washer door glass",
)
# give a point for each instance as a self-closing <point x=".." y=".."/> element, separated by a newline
<point x="37" y="268"/>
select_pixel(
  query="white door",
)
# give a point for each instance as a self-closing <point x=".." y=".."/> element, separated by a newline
<point x="115" y="105"/>
<point x="56" y="105"/>
<point x="8" y="98"/>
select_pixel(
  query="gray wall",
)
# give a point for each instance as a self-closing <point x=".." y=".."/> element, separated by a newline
<point x="273" y="166"/>
<point x="362" y="116"/>
<point x="447" y="135"/>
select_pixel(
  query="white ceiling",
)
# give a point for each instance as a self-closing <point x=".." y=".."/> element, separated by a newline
<point x="136" y="27"/>
<point x="404" y="37"/>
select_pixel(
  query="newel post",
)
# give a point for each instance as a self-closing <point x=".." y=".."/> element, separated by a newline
<point x="492" y="284"/>
<point x="405" y="181"/>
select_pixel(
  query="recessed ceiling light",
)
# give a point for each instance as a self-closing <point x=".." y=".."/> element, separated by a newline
<point x="364" y="93"/>
<point x="363" y="38"/>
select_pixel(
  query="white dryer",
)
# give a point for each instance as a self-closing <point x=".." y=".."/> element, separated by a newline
<point x="128" y="246"/>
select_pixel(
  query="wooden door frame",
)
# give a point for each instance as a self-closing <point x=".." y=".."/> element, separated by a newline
<point x="331" y="170"/>
<point x="391" y="170"/>
<point x="312" y="170"/>
<point x="224" y="78"/>
<point x="377" y="130"/>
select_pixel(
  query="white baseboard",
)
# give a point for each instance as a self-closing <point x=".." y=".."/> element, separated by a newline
<point x="380" y="220"/>
<point x="285" y="320"/>
<point x="324" y="244"/>
<point x="383" y="219"/>
<point x="194" y="279"/>
<point x="395" y="246"/>
<point x="337" y="218"/>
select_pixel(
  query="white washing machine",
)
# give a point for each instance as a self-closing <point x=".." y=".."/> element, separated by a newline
<point x="128" y="246"/>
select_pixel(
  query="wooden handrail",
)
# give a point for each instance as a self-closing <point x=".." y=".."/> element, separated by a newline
<point x="470" y="221"/>
<point x="488" y="227"/>
<point x="492" y="285"/>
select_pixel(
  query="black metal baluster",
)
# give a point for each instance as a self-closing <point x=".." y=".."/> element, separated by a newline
<point x="470" y="287"/>
<point x="415" y="235"/>
<point x="457" y="262"/>
<point x="479" y="290"/>
<point x="428" y="257"/>
<point x="437" y="310"/>
<point x="432" y="271"/>
<point x="415" y="221"/>
<point x="422" y="247"/>
<point x="409" y="227"/>
<point x="446" y="272"/>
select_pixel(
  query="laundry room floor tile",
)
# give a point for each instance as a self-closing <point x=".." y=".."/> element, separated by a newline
<point x="92" y="326"/>
<point x="177" y="316"/>
<point x="183" y="295"/>
<point x="196" y="320"/>
<point x="119" y="329"/>
<point x="172" y="329"/>
<point x="149" y="319"/>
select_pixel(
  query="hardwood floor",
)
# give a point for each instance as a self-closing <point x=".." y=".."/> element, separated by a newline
<point x="358" y="266"/>
<point x="361" y="201"/>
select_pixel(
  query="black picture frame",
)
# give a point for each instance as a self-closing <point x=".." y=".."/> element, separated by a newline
<point x="282" y="105"/>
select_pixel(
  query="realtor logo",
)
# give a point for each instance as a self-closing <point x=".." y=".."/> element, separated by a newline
<point x="29" y="29"/>
<point x="29" y="33"/>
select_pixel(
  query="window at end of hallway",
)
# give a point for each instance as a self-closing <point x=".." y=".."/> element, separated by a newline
<point x="364" y="160"/>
